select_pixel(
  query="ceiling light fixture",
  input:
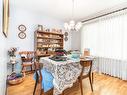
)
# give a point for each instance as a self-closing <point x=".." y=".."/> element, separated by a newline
<point x="72" y="25"/>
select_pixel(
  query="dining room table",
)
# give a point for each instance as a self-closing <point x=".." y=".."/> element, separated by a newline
<point x="65" y="73"/>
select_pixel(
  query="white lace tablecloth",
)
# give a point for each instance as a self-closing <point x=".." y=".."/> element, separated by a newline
<point x="65" y="73"/>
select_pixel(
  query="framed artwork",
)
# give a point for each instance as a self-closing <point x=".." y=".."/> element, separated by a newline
<point x="5" y="17"/>
<point x="22" y="35"/>
<point x="66" y="33"/>
<point x="22" y="28"/>
<point x="66" y="38"/>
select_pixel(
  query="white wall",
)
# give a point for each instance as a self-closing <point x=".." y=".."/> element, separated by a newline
<point x="3" y="58"/>
<point x="76" y="40"/>
<point x="30" y="20"/>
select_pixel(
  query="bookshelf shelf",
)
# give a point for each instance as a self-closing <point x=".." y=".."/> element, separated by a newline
<point x="47" y="42"/>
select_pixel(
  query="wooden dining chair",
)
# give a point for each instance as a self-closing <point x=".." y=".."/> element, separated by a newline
<point x="27" y="58"/>
<point x="42" y="79"/>
<point x="87" y="53"/>
<point x="85" y="73"/>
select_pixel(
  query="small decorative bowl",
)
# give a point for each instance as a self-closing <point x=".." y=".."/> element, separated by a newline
<point x="15" y="78"/>
<point x="16" y="81"/>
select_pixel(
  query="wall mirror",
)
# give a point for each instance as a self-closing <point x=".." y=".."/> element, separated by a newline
<point x="5" y="17"/>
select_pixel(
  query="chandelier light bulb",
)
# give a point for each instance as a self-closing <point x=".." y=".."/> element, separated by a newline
<point x="66" y="26"/>
<point x="72" y="26"/>
<point x="72" y="23"/>
<point x="78" y="25"/>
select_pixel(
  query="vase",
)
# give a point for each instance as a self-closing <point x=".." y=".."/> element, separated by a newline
<point x="18" y="66"/>
<point x="40" y="27"/>
<point x="13" y="60"/>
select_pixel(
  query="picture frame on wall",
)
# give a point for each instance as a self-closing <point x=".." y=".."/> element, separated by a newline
<point x="5" y="20"/>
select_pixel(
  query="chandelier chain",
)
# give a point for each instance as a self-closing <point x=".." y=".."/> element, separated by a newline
<point x="72" y="9"/>
<point x="72" y="25"/>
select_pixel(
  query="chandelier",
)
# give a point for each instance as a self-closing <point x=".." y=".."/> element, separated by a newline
<point x="72" y="25"/>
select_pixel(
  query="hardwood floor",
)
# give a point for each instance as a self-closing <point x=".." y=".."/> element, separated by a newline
<point x="103" y="85"/>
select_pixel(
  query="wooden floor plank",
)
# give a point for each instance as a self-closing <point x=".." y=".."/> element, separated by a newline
<point x="103" y="85"/>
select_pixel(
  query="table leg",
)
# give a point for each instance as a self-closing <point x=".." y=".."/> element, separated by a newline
<point x="12" y="68"/>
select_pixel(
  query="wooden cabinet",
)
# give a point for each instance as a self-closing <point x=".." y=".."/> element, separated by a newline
<point x="47" y="42"/>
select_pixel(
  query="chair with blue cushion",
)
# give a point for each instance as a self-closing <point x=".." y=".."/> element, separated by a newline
<point x="44" y="81"/>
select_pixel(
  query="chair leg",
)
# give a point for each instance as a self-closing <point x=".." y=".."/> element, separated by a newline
<point x="23" y="71"/>
<point x="92" y="77"/>
<point x="91" y="83"/>
<point x="22" y="68"/>
<point x="62" y="93"/>
<point x="31" y="67"/>
<point x="81" y="87"/>
<point x="35" y="88"/>
<point x="41" y="92"/>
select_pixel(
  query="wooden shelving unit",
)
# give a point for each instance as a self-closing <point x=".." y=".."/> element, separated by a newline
<point x="47" y="42"/>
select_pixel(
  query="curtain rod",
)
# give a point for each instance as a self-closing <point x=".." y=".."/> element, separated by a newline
<point x="104" y="14"/>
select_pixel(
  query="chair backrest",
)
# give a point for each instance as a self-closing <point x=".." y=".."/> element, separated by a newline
<point x="27" y="56"/>
<point x="86" y="52"/>
<point x="86" y="64"/>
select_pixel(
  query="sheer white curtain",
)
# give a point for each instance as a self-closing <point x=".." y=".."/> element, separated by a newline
<point x="107" y="36"/>
<point x="89" y="37"/>
<point x="107" y="39"/>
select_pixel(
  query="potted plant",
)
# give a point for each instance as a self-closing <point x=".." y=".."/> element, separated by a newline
<point x="11" y="53"/>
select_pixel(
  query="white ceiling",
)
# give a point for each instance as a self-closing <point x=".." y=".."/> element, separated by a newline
<point x="61" y="9"/>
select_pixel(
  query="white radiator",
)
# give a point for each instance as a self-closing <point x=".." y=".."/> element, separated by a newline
<point x="113" y="67"/>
